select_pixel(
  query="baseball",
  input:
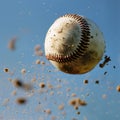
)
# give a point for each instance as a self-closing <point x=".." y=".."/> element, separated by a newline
<point x="74" y="44"/>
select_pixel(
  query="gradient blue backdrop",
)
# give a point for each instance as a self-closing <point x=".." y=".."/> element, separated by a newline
<point x="29" y="21"/>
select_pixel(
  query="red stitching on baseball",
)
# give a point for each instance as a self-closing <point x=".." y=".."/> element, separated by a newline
<point x="83" y="44"/>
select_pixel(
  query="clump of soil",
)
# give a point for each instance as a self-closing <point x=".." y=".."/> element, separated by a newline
<point x="106" y="60"/>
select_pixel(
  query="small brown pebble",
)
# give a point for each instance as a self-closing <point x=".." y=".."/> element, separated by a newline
<point x="23" y="71"/>
<point x="42" y="85"/>
<point x="39" y="53"/>
<point x="37" y="61"/>
<point x="37" y="48"/>
<point x="72" y="102"/>
<point x="118" y="88"/>
<point x="76" y="107"/>
<point x="61" y="107"/>
<point x="97" y="81"/>
<point x="6" y="70"/>
<point x="21" y="101"/>
<point x="76" y="102"/>
<point x="106" y="60"/>
<point x="78" y="113"/>
<point x="11" y="44"/>
<point x="17" y="83"/>
<point x="27" y="86"/>
<point x="50" y="86"/>
<point x="85" y="81"/>
<point x="82" y="103"/>
<point x="42" y="62"/>
<point x="48" y="111"/>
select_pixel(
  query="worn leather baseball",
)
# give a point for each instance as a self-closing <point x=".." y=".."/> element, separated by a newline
<point x="74" y="44"/>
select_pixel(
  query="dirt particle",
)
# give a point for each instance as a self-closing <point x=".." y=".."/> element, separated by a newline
<point x="78" y="112"/>
<point x="73" y="95"/>
<point x="37" y="47"/>
<point x="114" y="66"/>
<point x="61" y="107"/>
<point x="5" y="102"/>
<point x="6" y="70"/>
<point x="42" y="85"/>
<point x="53" y="118"/>
<point x="105" y="72"/>
<point x="50" y="86"/>
<point x="14" y="93"/>
<point x="106" y="60"/>
<point x="97" y="81"/>
<point x="85" y="81"/>
<point x="39" y="53"/>
<point x="21" y="100"/>
<point x="118" y="88"/>
<point x="38" y="50"/>
<point x="37" y="61"/>
<point x="76" y="102"/>
<point x="17" y="83"/>
<point x="23" y="71"/>
<point x="72" y="102"/>
<point x="82" y="103"/>
<point x="11" y="44"/>
<point x="51" y="93"/>
<point x="27" y="86"/>
<point x="42" y="62"/>
<point x="48" y="111"/>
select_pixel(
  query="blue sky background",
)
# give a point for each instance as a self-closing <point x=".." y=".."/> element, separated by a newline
<point x="29" y="21"/>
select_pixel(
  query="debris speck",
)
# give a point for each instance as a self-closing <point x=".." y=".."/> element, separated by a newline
<point x="37" y="47"/>
<point x="104" y="96"/>
<point x="23" y="71"/>
<point x="42" y="85"/>
<point x="85" y="81"/>
<point x="106" y="60"/>
<point x="17" y="83"/>
<point x="48" y="111"/>
<point x="11" y="44"/>
<point x="42" y="62"/>
<point x="105" y="72"/>
<point x="6" y="70"/>
<point x="76" y="102"/>
<point x="14" y="93"/>
<point x="21" y="100"/>
<point x="118" y="88"/>
<point x="97" y="81"/>
<point x="114" y="66"/>
<point x="37" y="61"/>
<point x="5" y="102"/>
<point x="61" y="107"/>
<point x="53" y="118"/>
<point x="73" y="95"/>
<point x="78" y="112"/>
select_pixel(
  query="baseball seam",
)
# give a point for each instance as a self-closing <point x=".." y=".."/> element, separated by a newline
<point x="82" y="46"/>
